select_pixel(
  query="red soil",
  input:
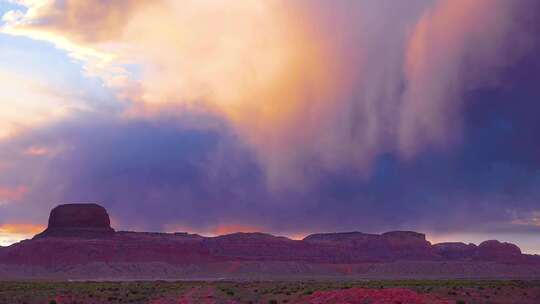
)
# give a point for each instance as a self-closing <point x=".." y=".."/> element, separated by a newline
<point x="196" y="295"/>
<point x="372" y="296"/>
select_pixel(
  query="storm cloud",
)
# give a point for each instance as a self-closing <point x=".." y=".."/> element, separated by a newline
<point x="298" y="117"/>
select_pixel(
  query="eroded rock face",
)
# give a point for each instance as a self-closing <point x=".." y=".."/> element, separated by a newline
<point x="374" y="247"/>
<point x="495" y="250"/>
<point x="408" y="245"/>
<point x="339" y="237"/>
<point x="80" y="234"/>
<point x="78" y="220"/>
<point x="455" y="250"/>
<point x="408" y="236"/>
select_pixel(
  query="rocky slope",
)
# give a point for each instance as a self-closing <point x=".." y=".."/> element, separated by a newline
<point x="80" y="242"/>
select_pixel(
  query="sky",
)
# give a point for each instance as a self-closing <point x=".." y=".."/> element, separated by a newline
<point x="288" y="117"/>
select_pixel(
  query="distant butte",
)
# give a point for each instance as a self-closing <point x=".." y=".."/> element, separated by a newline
<point x="78" y="220"/>
<point x="80" y="243"/>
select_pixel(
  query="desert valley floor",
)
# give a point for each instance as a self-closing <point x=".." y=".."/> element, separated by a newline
<point x="273" y="292"/>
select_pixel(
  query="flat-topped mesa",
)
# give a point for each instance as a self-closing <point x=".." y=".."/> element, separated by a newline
<point x="393" y="245"/>
<point x="80" y="235"/>
<point x="492" y="250"/>
<point x="455" y="250"/>
<point x="405" y="235"/>
<point x="78" y="220"/>
<point x="339" y="236"/>
<point x="395" y="236"/>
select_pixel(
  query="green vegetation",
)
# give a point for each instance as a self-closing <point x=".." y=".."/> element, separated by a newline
<point x="456" y="291"/>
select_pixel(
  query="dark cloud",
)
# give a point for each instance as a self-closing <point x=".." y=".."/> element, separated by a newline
<point x="193" y="171"/>
<point x="147" y="172"/>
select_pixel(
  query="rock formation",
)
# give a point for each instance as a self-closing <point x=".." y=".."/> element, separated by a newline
<point x="455" y="250"/>
<point x="374" y="247"/>
<point x="79" y="235"/>
<point x="495" y="250"/>
<point x="78" y="220"/>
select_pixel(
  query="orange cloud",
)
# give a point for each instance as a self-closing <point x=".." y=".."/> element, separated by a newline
<point x="13" y="194"/>
<point x="28" y="102"/>
<point x="86" y="21"/>
<point x="295" y="82"/>
<point x="232" y="228"/>
<point x="12" y="233"/>
<point x="36" y="151"/>
<point x="256" y="62"/>
<point x="298" y="236"/>
<point x="22" y="229"/>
